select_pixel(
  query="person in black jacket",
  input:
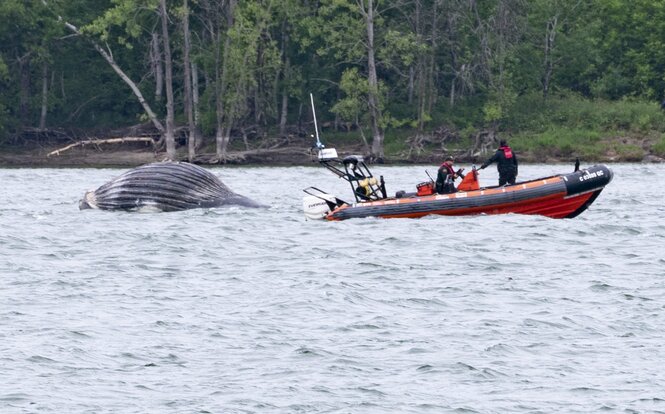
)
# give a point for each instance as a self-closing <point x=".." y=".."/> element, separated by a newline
<point x="506" y="163"/>
<point x="445" y="177"/>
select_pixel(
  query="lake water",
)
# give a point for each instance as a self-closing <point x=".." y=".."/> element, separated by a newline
<point x="237" y="310"/>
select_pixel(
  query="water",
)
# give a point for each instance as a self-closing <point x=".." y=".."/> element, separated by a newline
<point x="258" y="311"/>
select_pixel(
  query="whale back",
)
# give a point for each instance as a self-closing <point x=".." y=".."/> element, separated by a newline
<point x="165" y="186"/>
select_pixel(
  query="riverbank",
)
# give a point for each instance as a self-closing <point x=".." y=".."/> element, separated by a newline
<point x="124" y="157"/>
<point x="297" y="153"/>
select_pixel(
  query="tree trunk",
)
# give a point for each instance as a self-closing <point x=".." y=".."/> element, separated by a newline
<point x="362" y="136"/>
<point x="189" y="110"/>
<point x="220" y="73"/>
<point x="285" y="82"/>
<point x="42" y="116"/>
<point x="285" y="111"/>
<point x="224" y="147"/>
<point x="420" y="71"/>
<point x="431" y="69"/>
<point x="221" y="136"/>
<point x="373" y="93"/>
<point x="410" y="87"/>
<point x="24" y="94"/>
<point x="157" y="67"/>
<point x="550" y="34"/>
<point x="258" y="91"/>
<point x="195" y="101"/>
<point x="168" y="66"/>
<point x="244" y="139"/>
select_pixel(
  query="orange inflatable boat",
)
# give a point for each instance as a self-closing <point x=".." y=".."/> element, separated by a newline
<point x="557" y="196"/>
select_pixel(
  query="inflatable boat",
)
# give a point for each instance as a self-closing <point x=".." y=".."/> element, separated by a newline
<point x="558" y="196"/>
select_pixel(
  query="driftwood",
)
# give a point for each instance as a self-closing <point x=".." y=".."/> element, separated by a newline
<point x="438" y="137"/>
<point x="482" y="142"/>
<point x="101" y="141"/>
<point x="266" y="155"/>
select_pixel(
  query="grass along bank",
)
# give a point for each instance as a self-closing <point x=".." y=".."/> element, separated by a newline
<point x="557" y="130"/>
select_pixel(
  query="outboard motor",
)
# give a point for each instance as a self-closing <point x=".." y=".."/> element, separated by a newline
<point x="317" y="207"/>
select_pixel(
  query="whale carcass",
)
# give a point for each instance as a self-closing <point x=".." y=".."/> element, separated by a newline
<point x="164" y="186"/>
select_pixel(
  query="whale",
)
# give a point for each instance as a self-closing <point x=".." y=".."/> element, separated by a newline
<point x="164" y="186"/>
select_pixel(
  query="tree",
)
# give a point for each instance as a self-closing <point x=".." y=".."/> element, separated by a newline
<point x="3" y="84"/>
<point x="169" y="135"/>
<point x="350" y="27"/>
<point x="124" y="14"/>
<point x="27" y="35"/>
<point x="633" y="48"/>
<point x="189" y="96"/>
<point x="121" y="14"/>
<point x="497" y="28"/>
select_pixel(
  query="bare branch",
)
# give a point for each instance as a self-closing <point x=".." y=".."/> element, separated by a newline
<point x="101" y="141"/>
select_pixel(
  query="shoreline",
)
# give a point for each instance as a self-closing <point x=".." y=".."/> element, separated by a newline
<point x="286" y="156"/>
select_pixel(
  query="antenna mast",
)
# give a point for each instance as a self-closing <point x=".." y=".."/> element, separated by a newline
<point x="319" y="145"/>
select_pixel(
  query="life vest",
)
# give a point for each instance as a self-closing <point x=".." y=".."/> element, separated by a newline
<point x="507" y="152"/>
<point x="448" y="185"/>
<point x="449" y="168"/>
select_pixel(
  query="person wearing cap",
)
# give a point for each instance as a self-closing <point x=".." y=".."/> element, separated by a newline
<point x="445" y="178"/>
<point x="506" y="163"/>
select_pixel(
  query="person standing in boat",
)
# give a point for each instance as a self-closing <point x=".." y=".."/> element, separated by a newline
<point x="445" y="178"/>
<point x="506" y="163"/>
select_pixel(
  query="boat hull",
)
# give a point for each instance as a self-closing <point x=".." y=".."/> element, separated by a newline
<point x="561" y="196"/>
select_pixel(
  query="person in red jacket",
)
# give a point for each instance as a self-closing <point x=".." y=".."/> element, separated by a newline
<point x="445" y="177"/>
<point x="506" y="163"/>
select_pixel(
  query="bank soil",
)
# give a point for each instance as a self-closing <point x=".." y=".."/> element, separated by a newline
<point x="132" y="154"/>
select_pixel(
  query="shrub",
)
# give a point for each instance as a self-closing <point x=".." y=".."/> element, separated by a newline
<point x="532" y="112"/>
<point x="659" y="148"/>
<point x="630" y="152"/>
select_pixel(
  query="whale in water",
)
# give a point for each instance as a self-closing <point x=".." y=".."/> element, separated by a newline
<point x="164" y="186"/>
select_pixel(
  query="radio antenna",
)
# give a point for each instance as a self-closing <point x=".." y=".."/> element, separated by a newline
<point x="319" y="145"/>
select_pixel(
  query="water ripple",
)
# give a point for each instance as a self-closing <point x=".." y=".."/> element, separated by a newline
<point x="259" y="311"/>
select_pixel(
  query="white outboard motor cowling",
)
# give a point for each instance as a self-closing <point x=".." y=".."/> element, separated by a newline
<point x="317" y="207"/>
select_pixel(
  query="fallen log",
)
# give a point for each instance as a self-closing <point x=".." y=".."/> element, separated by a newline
<point x="101" y="141"/>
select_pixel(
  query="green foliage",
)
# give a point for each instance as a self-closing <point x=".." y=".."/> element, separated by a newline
<point x="630" y="152"/>
<point x="400" y="48"/>
<point x="561" y="143"/>
<point x="336" y="29"/>
<point x="4" y="72"/>
<point x="659" y="147"/>
<point x="467" y="66"/>
<point x="395" y="142"/>
<point x="354" y="104"/>
<point x="3" y="112"/>
<point x="469" y="113"/>
<point x="631" y="41"/>
<point x="492" y="112"/>
<point x="131" y="16"/>
<point x="572" y="111"/>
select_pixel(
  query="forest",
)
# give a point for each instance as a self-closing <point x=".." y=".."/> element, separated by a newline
<point x="398" y="78"/>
